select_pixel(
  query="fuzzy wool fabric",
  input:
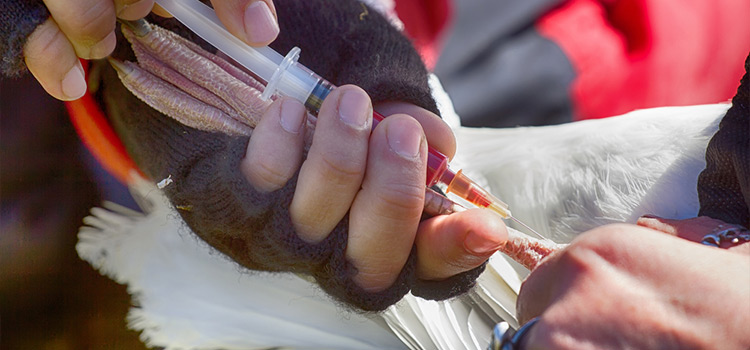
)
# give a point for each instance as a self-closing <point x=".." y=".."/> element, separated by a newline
<point x="341" y="40"/>
<point x="343" y="43"/>
<point x="724" y="186"/>
<point x="254" y="229"/>
<point x="19" y="18"/>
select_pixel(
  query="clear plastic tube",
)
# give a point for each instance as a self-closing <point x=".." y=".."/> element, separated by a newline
<point x="297" y="82"/>
<point x="287" y="77"/>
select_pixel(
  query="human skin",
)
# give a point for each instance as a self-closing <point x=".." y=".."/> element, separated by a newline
<point x="377" y="176"/>
<point x="85" y="29"/>
<point x="633" y="287"/>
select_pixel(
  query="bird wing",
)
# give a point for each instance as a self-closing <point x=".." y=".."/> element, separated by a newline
<point x="563" y="180"/>
<point x="187" y="295"/>
<point x="560" y="179"/>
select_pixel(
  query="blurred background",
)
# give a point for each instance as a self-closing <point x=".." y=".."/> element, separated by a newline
<point x="49" y="298"/>
<point x="504" y="63"/>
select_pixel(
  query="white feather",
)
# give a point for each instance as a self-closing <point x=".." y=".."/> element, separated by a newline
<point x="187" y="296"/>
<point x="561" y="180"/>
<point x="565" y="179"/>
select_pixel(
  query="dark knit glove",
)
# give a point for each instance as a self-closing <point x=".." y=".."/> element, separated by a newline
<point x="19" y="18"/>
<point x="341" y="41"/>
<point x="724" y="186"/>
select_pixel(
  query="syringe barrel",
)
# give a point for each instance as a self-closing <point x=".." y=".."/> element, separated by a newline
<point x="437" y="168"/>
<point x="301" y="83"/>
<point x="469" y="190"/>
<point x="287" y="77"/>
<point x="295" y="81"/>
<point x="319" y="92"/>
<point x="437" y="163"/>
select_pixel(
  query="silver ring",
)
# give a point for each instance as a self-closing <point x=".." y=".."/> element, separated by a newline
<point x="734" y="234"/>
<point x="505" y="338"/>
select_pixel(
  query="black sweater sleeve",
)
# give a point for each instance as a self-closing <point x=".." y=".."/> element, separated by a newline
<point x="344" y="43"/>
<point x="724" y="186"/>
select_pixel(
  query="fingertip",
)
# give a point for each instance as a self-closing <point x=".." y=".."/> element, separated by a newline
<point x="452" y="244"/>
<point x="437" y="132"/>
<point x="656" y="223"/>
<point x="73" y="85"/>
<point x="646" y="221"/>
<point x="50" y="57"/>
<point x="260" y="24"/>
<point x="88" y="25"/>
<point x="482" y="244"/>
<point x="486" y="232"/>
<point x="292" y="115"/>
<point x="354" y="107"/>
<point x="160" y="11"/>
<point x="103" y="48"/>
<point x="275" y="149"/>
<point x="405" y="137"/>
<point x="135" y="10"/>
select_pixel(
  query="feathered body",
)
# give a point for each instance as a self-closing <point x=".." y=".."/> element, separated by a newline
<point x="561" y="180"/>
<point x="566" y="179"/>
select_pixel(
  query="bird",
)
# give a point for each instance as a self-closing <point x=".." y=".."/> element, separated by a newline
<point x="560" y="179"/>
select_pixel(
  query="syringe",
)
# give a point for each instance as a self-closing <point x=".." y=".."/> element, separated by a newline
<point x="284" y="75"/>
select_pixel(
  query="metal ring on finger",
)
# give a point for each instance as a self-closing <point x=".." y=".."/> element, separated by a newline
<point x="734" y="234"/>
<point x="505" y="338"/>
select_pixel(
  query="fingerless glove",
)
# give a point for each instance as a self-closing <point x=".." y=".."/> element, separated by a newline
<point x="342" y="41"/>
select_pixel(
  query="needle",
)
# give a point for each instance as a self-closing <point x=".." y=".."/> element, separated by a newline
<point x="527" y="227"/>
<point x="284" y="75"/>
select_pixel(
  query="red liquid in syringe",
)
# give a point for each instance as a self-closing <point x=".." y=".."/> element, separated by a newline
<point x="458" y="183"/>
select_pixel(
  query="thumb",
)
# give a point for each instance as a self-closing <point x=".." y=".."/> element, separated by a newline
<point x="253" y="21"/>
<point x="451" y="244"/>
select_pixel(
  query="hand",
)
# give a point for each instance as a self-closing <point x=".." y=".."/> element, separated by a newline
<point x="377" y="177"/>
<point x="693" y="229"/>
<point x="625" y="286"/>
<point x="85" y="29"/>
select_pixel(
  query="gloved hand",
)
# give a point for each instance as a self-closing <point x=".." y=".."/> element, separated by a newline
<point x="85" y="29"/>
<point x="354" y="231"/>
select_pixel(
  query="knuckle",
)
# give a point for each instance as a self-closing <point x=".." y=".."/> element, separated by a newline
<point x="405" y="197"/>
<point x="94" y="24"/>
<point x="578" y="258"/>
<point x="595" y="250"/>
<point x="605" y="239"/>
<point x="268" y="177"/>
<point x="342" y="168"/>
<point x="312" y="226"/>
<point x="377" y="280"/>
<point x="47" y="41"/>
<point x="308" y="229"/>
<point x="463" y="262"/>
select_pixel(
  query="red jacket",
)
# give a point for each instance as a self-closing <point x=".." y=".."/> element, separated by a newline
<point x="625" y="54"/>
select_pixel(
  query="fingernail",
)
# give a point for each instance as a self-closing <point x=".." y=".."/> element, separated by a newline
<point x="480" y="244"/>
<point x="103" y="47"/>
<point x="260" y="24"/>
<point x="650" y="216"/>
<point x="292" y="116"/>
<point x="133" y="11"/>
<point x="355" y="109"/>
<point x="74" y="83"/>
<point x="404" y="137"/>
